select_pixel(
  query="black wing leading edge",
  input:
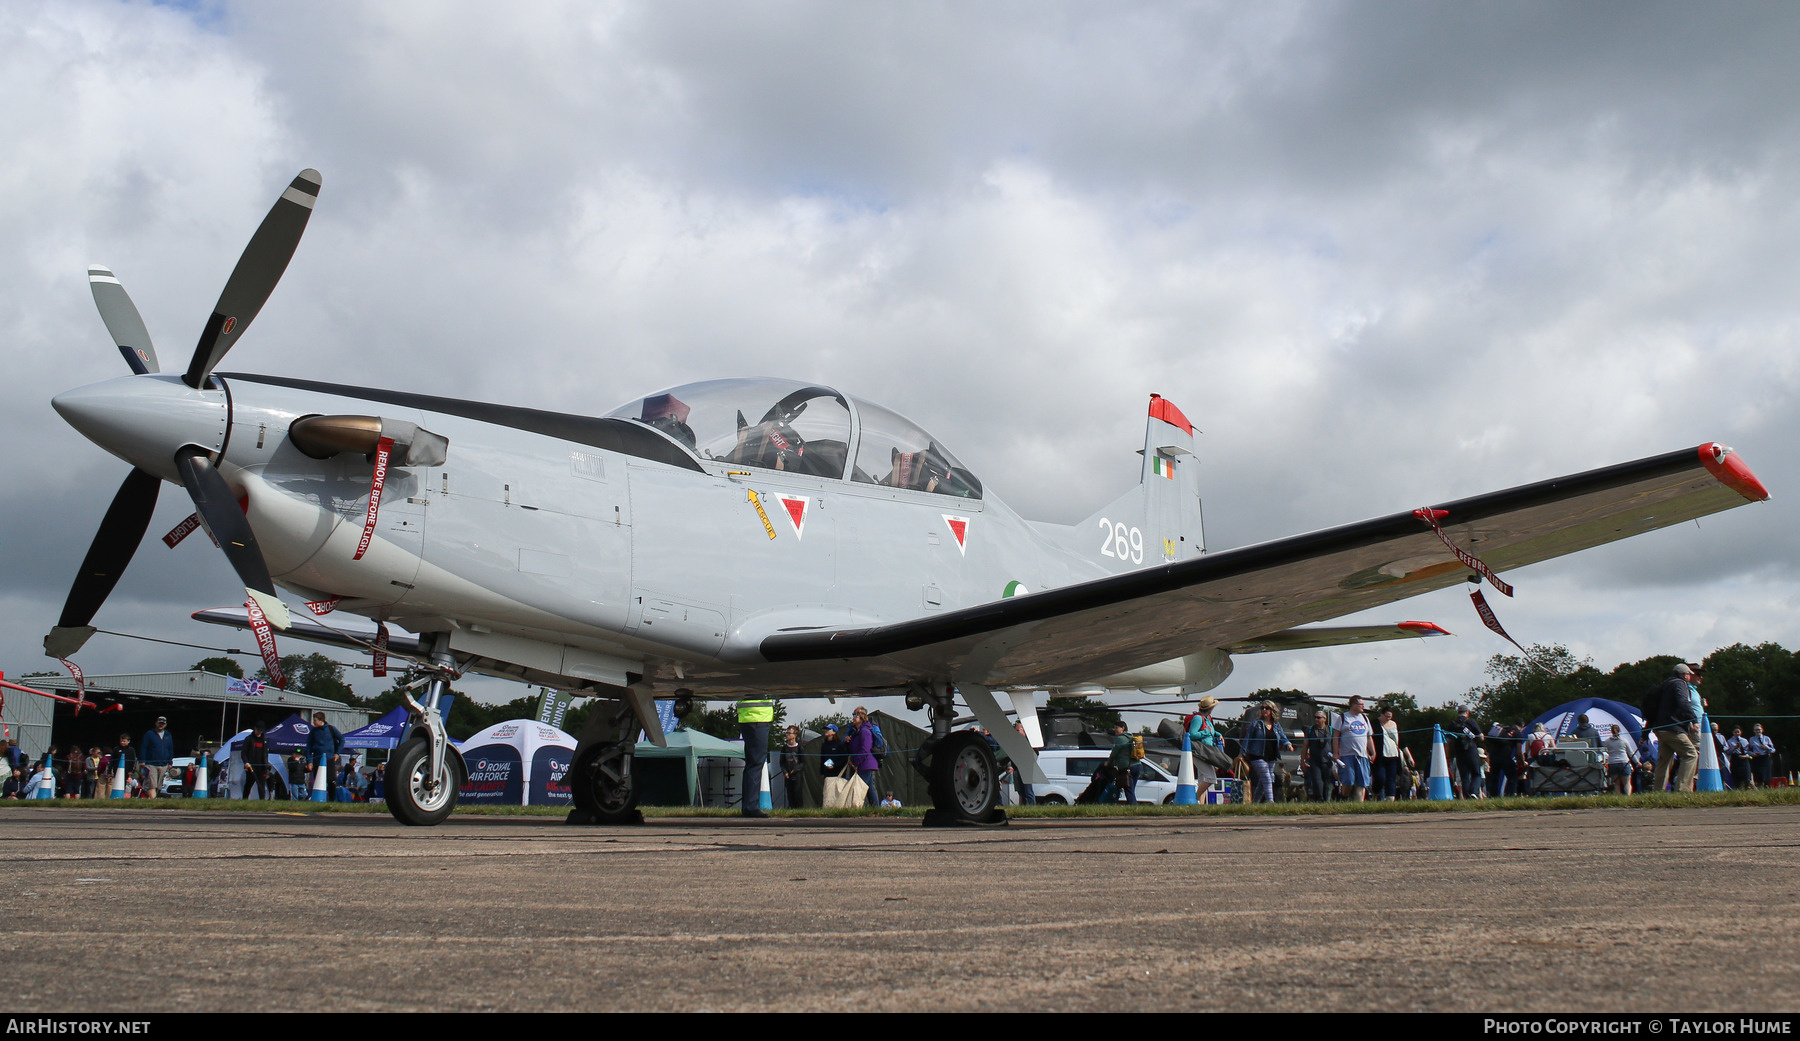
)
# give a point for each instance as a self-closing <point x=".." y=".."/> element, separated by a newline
<point x="1122" y="622"/>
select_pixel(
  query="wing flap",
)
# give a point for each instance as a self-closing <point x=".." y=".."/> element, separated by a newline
<point x="1121" y="622"/>
<point x="1336" y="636"/>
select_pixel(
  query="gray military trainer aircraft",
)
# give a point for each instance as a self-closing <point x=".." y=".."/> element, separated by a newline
<point x="745" y="536"/>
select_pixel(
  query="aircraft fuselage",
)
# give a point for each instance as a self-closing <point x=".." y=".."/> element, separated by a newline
<point x="596" y="550"/>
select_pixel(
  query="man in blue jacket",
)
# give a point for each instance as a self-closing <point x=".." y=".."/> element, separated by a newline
<point x="323" y="746"/>
<point x="156" y="752"/>
<point x="1677" y="724"/>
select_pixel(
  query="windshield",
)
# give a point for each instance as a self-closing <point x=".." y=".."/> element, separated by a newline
<point x="801" y="428"/>
<point x="895" y="452"/>
<point x="771" y="424"/>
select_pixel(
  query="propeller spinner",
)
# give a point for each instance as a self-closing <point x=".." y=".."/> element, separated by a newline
<point x="165" y="429"/>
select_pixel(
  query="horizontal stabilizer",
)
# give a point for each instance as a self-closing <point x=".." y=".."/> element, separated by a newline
<point x="355" y="639"/>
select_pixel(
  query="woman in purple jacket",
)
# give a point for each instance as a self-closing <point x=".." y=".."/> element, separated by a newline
<point x="862" y="749"/>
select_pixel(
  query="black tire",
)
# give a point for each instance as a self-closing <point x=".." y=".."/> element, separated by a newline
<point x="1052" y="800"/>
<point x="603" y="782"/>
<point x="964" y="779"/>
<point x="410" y="799"/>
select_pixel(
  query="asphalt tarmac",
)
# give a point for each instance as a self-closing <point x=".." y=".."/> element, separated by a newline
<point x="1629" y="910"/>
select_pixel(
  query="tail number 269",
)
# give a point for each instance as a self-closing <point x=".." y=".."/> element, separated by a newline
<point x="1125" y="543"/>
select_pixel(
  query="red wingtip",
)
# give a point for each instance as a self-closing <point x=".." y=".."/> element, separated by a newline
<point x="1164" y="409"/>
<point x="1430" y="628"/>
<point x="1729" y="468"/>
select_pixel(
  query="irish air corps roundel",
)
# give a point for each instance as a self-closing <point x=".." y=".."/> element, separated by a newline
<point x="796" y="511"/>
<point x="959" y="529"/>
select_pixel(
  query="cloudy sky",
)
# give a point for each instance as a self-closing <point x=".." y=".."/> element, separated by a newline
<point x="1382" y="254"/>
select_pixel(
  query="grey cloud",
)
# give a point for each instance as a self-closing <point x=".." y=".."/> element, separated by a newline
<point x="1382" y="254"/>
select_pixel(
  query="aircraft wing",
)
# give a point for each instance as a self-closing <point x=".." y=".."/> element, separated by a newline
<point x="1113" y="624"/>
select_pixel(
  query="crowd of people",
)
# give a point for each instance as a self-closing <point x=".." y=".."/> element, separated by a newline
<point x="857" y="751"/>
<point x="1345" y="755"/>
<point x="1342" y="756"/>
<point x="151" y="770"/>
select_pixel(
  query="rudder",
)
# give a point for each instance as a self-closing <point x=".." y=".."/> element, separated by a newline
<point x="1159" y="521"/>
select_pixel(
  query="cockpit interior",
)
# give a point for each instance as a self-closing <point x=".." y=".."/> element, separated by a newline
<point x="802" y="428"/>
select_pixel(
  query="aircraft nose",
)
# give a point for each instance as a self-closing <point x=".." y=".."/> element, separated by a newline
<point x="144" y="420"/>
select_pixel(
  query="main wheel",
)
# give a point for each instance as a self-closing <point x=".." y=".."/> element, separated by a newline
<point x="965" y="781"/>
<point x="415" y="799"/>
<point x="603" y="782"/>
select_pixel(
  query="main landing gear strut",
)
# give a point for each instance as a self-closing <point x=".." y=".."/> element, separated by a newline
<point x="602" y="782"/>
<point x="959" y="768"/>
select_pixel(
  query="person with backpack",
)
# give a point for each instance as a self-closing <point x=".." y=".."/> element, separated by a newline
<point x="1124" y="765"/>
<point x="864" y="736"/>
<point x="1503" y="760"/>
<point x="1467" y="734"/>
<point x="1262" y="746"/>
<point x="1200" y="728"/>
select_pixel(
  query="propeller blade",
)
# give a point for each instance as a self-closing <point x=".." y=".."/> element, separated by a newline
<point x="219" y="510"/>
<point x="120" y="532"/>
<point x="254" y="278"/>
<point x="122" y="320"/>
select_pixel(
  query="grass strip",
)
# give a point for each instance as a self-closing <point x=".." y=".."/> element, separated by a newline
<point x="1530" y="803"/>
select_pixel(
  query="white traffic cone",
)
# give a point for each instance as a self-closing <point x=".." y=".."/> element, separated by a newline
<point x="1187" y="791"/>
<point x="118" y="785"/>
<point x="763" y="802"/>
<point x="321" y="786"/>
<point x="201" y="789"/>
<point x="1440" y="766"/>
<point x="1708" y="779"/>
<point x="47" y="786"/>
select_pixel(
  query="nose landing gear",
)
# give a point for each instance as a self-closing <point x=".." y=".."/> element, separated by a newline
<point x="426" y="771"/>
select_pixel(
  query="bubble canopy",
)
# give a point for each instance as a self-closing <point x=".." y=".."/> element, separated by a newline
<point x="802" y="428"/>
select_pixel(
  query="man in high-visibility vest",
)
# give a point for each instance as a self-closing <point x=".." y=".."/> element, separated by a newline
<point x="754" y="716"/>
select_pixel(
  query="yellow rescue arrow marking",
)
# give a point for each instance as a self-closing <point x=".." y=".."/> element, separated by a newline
<point x="756" y="502"/>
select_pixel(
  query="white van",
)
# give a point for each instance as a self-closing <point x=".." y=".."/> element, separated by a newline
<point x="1070" y="770"/>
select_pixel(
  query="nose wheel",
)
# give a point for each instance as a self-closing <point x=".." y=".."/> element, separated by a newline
<point x="418" y="795"/>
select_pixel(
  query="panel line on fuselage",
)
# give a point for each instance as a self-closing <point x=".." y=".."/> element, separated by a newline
<point x="613" y="435"/>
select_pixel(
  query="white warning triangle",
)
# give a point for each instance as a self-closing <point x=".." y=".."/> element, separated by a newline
<point x="796" y="511"/>
<point x="959" y="529"/>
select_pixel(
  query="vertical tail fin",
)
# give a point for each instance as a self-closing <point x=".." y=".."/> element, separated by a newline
<point x="1157" y="522"/>
<point x="1171" y="483"/>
